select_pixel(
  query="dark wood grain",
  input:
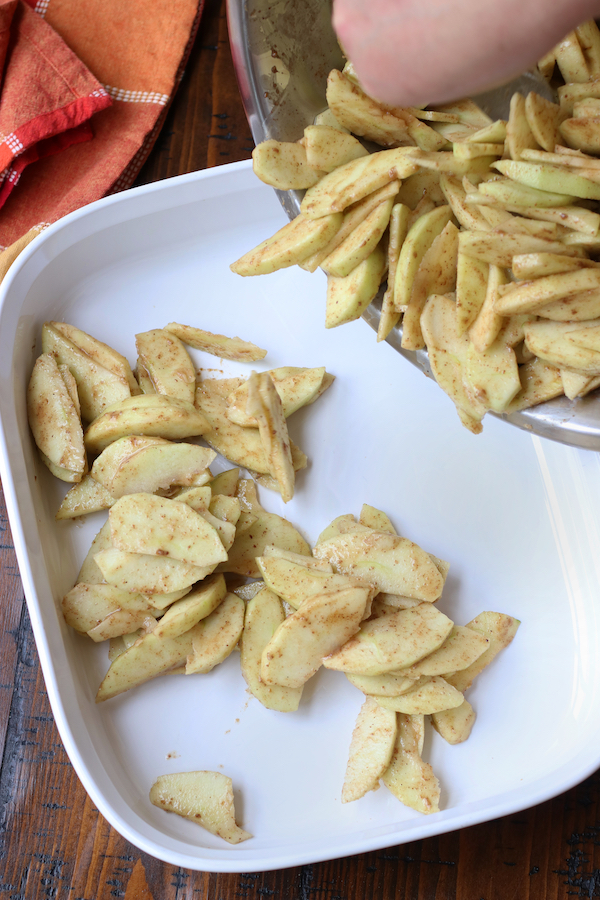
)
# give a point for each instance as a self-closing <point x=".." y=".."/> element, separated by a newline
<point x="54" y="844"/>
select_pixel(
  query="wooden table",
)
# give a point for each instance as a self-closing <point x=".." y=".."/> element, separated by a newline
<point x="54" y="845"/>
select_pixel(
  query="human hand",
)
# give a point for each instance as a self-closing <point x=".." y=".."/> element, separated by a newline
<point x="415" y="52"/>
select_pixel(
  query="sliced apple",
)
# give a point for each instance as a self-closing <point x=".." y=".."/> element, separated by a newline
<point x="97" y="386"/>
<point x="321" y="625"/>
<point x="205" y="798"/>
<point x="392" y="642"/>
<point x="157" y="526"/>
<point x="264" y="614"/>
<point x="148" y="414"/>
<point x="388" y="562"/>
<point x="141" y="464"/>
<point x="216" y="636"/>
<point x="371" y="749"/>
<point x="54" y="420"/>
<point x="167" y="364"/>
<point x="408" y="777"/>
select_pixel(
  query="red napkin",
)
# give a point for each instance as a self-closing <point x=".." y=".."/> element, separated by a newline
<point x="65" y="143"/>
<point x="47" y="94"/>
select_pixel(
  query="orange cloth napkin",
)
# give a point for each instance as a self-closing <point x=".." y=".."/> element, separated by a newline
<point x="86" y="86"/>
<point x="47" y="97"/>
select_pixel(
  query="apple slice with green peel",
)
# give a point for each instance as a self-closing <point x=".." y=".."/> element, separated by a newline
<point x="216" y="636"/>
<point x="321" y="625"/>
<point x="371" y="749"/>
<point x="205" y="798"/>
<point x="264" y="614"/>
<point x="392" y="642"/>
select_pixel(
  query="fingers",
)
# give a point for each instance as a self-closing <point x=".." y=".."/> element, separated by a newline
<point x="413" y="52"/>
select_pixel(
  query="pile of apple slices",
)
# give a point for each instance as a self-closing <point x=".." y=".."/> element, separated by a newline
<point x="133" y="422"/>
<point x="364" y="605"/>
<point x="487" y="231"/>
<point x="361" y="602"/>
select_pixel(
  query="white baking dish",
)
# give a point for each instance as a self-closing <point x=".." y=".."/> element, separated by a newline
<point x="517" y="517"/>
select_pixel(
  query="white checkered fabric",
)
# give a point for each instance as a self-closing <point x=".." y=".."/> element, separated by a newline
<point x="126" y="96"/>
<point x="12" y="175"/>
<point x="41" y="6"/>
<point x="14" y="144"/>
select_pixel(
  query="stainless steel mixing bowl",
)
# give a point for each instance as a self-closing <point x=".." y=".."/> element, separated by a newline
<point x="283" y="51"/>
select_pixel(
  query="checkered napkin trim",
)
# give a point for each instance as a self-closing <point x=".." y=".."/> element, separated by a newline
<point x="126" y="96"/>
<point x="41" y="6"/>
<point x="14" y="144"/>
